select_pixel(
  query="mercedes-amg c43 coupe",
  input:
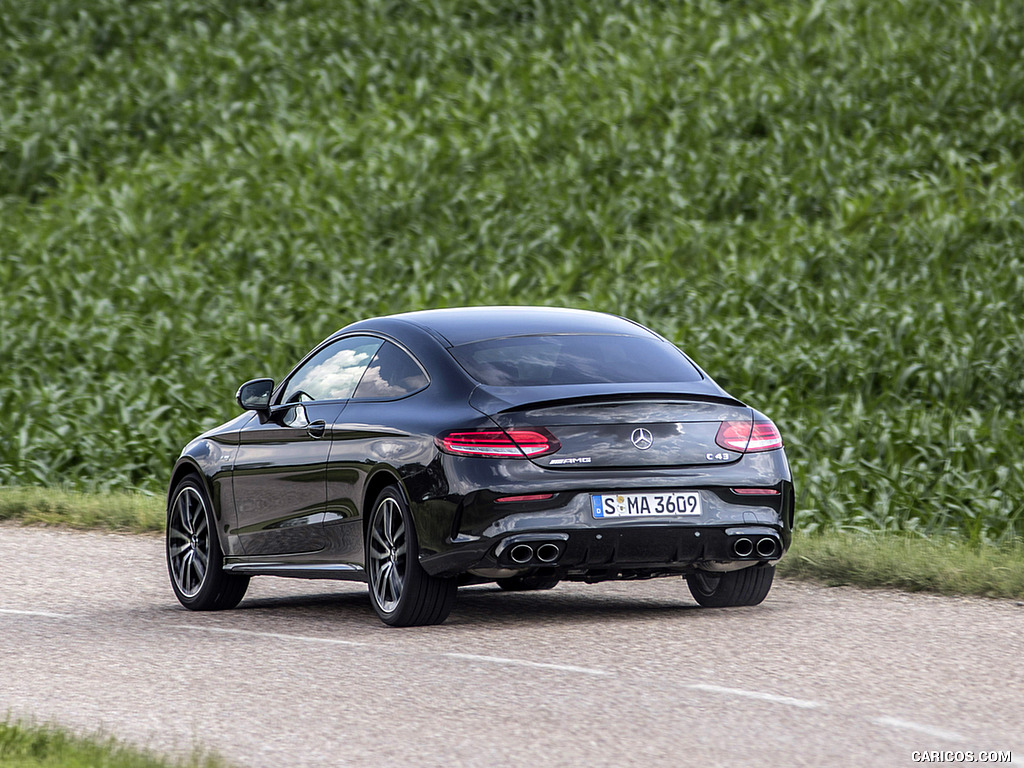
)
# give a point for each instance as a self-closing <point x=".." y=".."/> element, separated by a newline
<point x="520" y="445"/>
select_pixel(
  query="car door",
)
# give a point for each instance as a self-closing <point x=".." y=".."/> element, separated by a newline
<point x="369" y="434"/>
<point x="280" y="470"/>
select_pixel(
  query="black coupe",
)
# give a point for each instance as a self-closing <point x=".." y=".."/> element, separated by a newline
<point x="523" y="445"/>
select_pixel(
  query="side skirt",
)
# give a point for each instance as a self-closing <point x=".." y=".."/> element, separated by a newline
<point x="338" y="572"/>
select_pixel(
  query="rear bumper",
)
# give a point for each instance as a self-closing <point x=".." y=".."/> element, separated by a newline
<point x="479" y="530"/>
<point x="609" y="552"/>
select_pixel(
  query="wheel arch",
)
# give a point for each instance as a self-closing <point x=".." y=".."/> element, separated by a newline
<point x="183" y="468"/>
<point x="377" y="481"/>
<point x="188" y="466"/>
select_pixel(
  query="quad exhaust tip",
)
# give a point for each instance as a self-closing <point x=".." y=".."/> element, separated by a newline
<point x="521" y="553"/>
<point x="548" y="553"/>
<point x="743" y="547"/>
<point x="766" y="547"/>
<point x="531" y="549"/>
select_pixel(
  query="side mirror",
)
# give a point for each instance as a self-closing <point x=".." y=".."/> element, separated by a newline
<point x="255" y="395"/>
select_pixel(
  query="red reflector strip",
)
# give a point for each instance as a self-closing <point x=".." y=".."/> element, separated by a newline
<point x="531" y="497"/>
<point x="755" y="491"/>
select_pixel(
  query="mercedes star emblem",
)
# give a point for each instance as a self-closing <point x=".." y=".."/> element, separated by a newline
<point x="642" y="438"/>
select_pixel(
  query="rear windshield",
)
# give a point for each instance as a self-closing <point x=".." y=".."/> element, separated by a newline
<point x="537" y="361"/>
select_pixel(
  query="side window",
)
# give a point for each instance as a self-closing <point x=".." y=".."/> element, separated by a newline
<point x="392" y="373"/>
<point x="333" y="372"/>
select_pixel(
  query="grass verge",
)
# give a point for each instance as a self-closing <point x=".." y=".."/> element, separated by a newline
<point x="945" y="566"/>
<point x="36" y="746"/>
<point x="940" y="565"/>
<point x="129" y="512"/>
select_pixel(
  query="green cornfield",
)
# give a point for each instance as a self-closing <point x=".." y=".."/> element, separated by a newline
<point x="822" y="202"/>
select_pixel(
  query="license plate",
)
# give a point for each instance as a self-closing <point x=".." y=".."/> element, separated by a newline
<point x="645" y="504"/>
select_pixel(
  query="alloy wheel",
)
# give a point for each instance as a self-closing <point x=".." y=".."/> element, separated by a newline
<point x="387" y="552"/>
<point x="188" y="541"/>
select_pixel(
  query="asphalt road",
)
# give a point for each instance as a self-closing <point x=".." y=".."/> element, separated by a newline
<point x="623" y="674"/>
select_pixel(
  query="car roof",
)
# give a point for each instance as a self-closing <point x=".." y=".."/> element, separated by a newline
<point x="464" y="325"/>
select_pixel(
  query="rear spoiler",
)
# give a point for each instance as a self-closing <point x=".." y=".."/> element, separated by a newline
<point x="494" y="400"/>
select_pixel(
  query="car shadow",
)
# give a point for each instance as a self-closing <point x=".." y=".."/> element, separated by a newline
<point x="492" y="605"/>
<point x="486" y="605"/>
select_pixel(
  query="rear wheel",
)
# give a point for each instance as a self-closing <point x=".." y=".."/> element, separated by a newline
<point x="528" y="582"/>
<point x="194" y="558"/>
<point x="402" y="593"/>
<point x="748" y="586"/>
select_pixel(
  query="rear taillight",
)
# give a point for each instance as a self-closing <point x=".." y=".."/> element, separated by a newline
<point x="513" y="444"/>
<point x="734" y="435"/>
<point x="748" y="437"/>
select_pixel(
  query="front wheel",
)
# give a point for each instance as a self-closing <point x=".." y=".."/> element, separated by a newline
<point x="194" y="558"/>
<point x="402" y="593"/>
<point x="748" y="586"/>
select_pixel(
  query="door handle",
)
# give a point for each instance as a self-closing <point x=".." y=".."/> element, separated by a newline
<point x="316" y="429"/>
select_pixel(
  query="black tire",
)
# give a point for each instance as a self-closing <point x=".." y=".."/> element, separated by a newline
<point x="195" y="561"/>
<point x="528" y="582"/>
<point x="401" y="592"/>
<point x="748" y="586"/>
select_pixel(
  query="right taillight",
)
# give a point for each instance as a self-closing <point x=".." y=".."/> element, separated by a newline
<point x="748" y="436"/>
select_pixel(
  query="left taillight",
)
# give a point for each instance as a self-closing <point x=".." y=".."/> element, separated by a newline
<point x="749" y="436"/>
<point x="496" y="443"/>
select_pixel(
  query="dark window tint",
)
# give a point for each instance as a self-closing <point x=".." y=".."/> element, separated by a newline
<point x="333" y="372"/>
<point x="532" y="361"/>
<point x="392" y="373"/>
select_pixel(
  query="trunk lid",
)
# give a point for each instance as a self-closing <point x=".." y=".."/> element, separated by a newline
<point x="625" y="431"/>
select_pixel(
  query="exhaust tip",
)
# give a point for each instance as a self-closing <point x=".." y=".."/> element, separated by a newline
<point x="743" y="547"/>
<point x="548" y="553"/>
<point x="521" y="553"/>
<point x="766" y="547"/>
